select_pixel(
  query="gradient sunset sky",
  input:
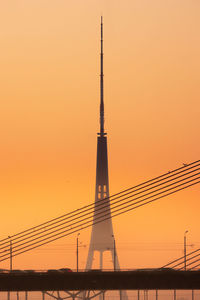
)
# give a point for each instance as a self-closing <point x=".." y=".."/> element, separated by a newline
<point x="50" y="116"/>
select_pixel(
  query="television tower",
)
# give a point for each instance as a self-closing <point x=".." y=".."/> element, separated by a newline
<point x="102" y="236"/>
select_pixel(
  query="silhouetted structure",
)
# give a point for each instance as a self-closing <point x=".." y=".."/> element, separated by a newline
<point x="102" y="236"/>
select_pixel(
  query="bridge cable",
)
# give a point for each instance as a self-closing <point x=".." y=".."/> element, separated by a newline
<point x="100" y="220"/>
<point x="183" y="169"/>
<point x="85" y="225"/>
<point x="87" y="213"/>
<point x="100" y="205"/>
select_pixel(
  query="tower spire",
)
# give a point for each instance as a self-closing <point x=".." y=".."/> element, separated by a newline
<point x="102" y="236"/>
<point x="101" y="85"/>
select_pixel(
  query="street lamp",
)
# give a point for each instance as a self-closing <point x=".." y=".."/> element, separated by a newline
<point x="10" y="261"/>
<point x="185" y="249"/>
<point x="10" y="253"/>
<point x="77" y="252"/>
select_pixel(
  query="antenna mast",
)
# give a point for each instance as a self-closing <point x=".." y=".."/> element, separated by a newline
<point x="101" y="86"/>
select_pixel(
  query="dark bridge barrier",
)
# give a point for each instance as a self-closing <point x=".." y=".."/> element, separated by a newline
<point x="127" y="280"/>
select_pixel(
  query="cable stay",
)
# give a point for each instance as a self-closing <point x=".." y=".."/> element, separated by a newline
<point x="179" y="263"/>
<point x="120" y="203"/>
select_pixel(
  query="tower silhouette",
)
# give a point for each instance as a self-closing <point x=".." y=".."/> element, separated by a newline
<point x="102" y="236"/>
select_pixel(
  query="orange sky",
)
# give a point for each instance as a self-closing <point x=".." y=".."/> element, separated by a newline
<point x="50" y="116"/>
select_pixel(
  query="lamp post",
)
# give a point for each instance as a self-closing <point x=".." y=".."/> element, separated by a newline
<point x="10" y="253"/>
<point x="185" y="249"/>
<point x="77" y="252"/>
<point x="10" y="261"/>
<point x="114" y="255"/>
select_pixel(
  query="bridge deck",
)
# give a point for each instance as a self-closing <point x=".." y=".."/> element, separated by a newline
<point x="127" y="280"/>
